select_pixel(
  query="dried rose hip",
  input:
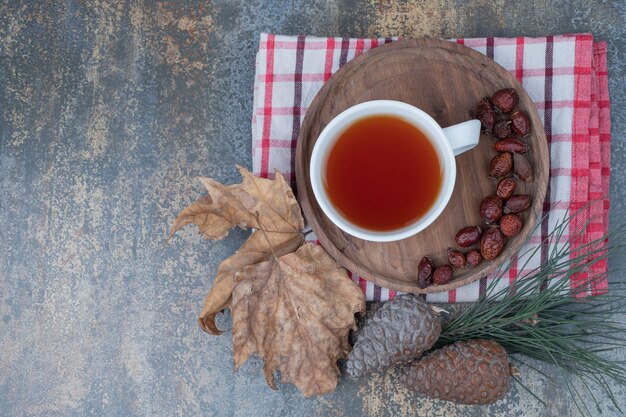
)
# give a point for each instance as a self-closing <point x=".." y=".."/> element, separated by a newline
<point x="502" y="129"/>
<point x="486" y="114"/>
<point x="442" y="275"/>
<point x="425" y="272"/>
<point x="522" y="167"/>
<point x="513" y="145"/>
<point x="474" y="258"/>
<point x="520" y="123"/>
<point x="501" y="165"/>
<point x="511" y="225"/>
<point x="505" y="99"/>
<point x="492" y="243"/>
<point x="468" y="236"/>
<point x="506" y="188"/>
<point x="517" y="203"/>
<point x="491" y="208"/>
<point x="456" y="258"/>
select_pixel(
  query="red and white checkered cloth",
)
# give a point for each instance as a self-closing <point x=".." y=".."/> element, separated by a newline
<point x="566" y="76"/>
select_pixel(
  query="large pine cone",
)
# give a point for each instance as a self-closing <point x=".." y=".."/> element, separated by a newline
<point x="397" y="334"/>
<point x="467" y="372"/>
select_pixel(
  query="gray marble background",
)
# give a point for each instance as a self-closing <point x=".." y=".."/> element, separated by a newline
<point x="108" y="110"/>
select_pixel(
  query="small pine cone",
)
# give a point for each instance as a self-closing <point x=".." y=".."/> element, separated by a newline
<point x="467" y="372"/>
<point x="398" y="333"/>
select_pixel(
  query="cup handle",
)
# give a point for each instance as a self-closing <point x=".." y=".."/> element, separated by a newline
<point x="463" y="136"/>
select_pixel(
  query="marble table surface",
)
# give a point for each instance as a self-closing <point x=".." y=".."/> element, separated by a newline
<point x="108" y="110"/>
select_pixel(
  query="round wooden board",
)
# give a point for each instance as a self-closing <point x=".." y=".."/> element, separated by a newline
<point x="446" y="80"/>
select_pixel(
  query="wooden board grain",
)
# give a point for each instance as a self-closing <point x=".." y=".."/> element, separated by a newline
<point x="446" y="80"/>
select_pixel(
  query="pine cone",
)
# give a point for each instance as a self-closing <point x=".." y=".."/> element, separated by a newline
<point x="397" y="334"/>
<point x="467" y="372"/>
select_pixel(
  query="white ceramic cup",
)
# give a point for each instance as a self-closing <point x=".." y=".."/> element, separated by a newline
<point x="448" y="142"/>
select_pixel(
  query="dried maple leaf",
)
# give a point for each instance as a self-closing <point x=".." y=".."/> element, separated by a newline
<point x="294" y="309"/>
<point x="254" y="203"/>
<point x="296" y="312"/>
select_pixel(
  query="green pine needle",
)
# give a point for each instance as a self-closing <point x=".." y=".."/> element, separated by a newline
<point x="542" y="318"/>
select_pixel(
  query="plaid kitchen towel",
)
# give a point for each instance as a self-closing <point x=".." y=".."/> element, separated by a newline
<point x="566" y="76"/>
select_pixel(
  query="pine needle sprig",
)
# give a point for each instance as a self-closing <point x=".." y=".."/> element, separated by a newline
<point x="547" y="315"/>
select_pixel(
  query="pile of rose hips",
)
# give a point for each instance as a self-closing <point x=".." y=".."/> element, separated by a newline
<point x="500" y="211"/>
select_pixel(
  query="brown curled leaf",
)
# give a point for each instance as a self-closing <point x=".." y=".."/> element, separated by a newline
<point x="295" y="312"/>
<point x="253" y="251"/>
<point x="254" y="203"/>
<point x="294" y="309"/>
<point x="245" y="204"/>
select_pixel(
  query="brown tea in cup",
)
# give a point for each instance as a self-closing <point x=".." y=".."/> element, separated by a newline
<point x="383" y="173"/>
